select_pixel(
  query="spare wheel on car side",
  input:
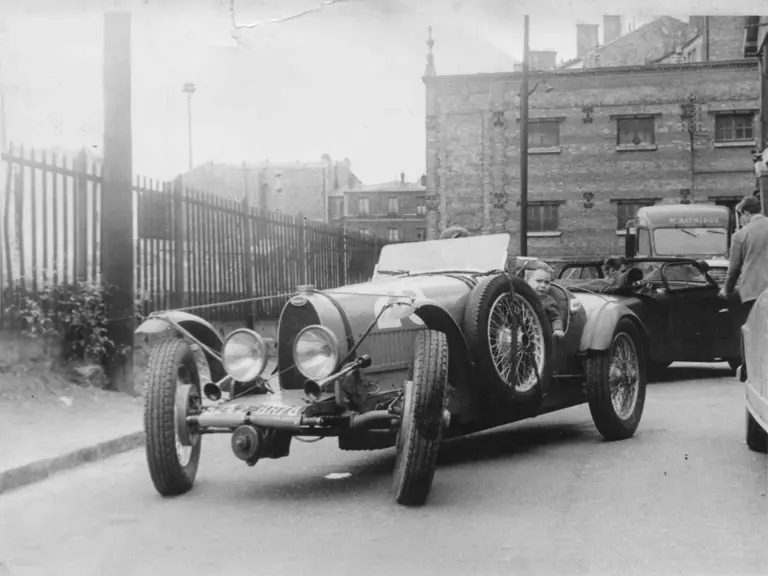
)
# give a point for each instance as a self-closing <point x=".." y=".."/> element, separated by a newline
<point x="510" y="339"/>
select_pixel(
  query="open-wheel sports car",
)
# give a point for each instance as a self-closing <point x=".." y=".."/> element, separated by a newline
<point x="444" y="340"/>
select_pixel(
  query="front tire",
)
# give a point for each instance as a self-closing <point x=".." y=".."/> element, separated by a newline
<point x="757" y="438"/>
<point x="173" y="393"/>
<point x="616" y="383"/>
<point x="421" y="424"/>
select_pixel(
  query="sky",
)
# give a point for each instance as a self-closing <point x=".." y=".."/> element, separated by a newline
<point x="277" y="80"/>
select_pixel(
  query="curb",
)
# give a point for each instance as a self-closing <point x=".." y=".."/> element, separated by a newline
<point x="38" y="471"/>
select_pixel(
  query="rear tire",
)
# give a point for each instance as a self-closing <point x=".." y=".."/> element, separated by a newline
<point x="757" y="438"/>
<point x="733" y="364"/>
<point x="421" y="426"/>
<point x="172" y="393"/>
<point x="616" y="384"/>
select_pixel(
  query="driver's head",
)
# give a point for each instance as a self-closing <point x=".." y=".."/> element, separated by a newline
<point x="613" y="267"/>
<point x="747" y="208"/>
<point x="454" y="232"/>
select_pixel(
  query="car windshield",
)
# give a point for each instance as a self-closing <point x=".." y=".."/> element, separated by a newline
<point x="473" y="254"/>
<point x="690" y="241"/>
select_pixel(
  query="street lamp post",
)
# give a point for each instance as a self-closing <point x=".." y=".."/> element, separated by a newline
<point x="524" y="147"/>
<point x="189" y="89"/>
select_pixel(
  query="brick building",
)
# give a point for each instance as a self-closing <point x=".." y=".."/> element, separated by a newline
<point x="290" y="188"/>
<point x="603" y="141"/>
<point x="395" y="211"/>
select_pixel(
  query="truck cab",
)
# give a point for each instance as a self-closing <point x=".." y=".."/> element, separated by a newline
<point x="700" y="231"/>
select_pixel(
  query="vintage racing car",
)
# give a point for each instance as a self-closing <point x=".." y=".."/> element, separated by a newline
<point x="678" y="304"/>
<point x="443" y="341"/>
<point x="755" y="374"/>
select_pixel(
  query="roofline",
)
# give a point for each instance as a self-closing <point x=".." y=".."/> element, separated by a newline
<point x="742" y="63"/>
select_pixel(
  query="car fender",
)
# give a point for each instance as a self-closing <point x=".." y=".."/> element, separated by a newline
<point x="198" y="327"/>
<point x="600" y="324"/>
<point x="435" y="317"/>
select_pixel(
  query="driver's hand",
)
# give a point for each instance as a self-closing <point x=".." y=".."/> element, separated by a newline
<point x="558" y="334"/>
<point x="722" y="293"/>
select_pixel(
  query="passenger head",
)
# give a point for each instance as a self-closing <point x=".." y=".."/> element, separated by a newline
<point x="540" y="278"/>
<point x="747" y="208"/>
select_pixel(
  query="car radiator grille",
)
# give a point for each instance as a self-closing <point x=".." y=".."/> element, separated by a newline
<point x="390" y="350"/>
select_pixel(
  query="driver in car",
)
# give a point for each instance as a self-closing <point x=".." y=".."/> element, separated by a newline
<point x="540" y="280"/>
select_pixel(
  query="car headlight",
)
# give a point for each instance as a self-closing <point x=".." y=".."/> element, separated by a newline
<point x="316" y="352"/>
<point x="244" y="355"/>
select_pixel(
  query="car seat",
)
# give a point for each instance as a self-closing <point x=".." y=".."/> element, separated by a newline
<point x="563" y="303"/>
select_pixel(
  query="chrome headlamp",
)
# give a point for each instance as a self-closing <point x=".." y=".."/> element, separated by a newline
<point x="316" y="352"/>
<point x="244" y="355"/>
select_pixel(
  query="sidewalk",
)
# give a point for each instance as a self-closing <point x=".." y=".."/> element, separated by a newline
<point x="48" y="425"/>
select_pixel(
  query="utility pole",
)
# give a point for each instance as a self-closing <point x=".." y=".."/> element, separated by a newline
<point x="524" y="147"/>
<point x="117" y="196"/>
<point x="189" y="89"/>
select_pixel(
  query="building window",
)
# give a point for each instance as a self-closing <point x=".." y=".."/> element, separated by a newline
<point x="421" y="233"/>
<point x="626" y="211"/>
<point x="635" y="131"/>
<point x="393" y="206"/>
<point x="393" y="234"/>
<point x="543" y="134"/>
<point x="421" y="206"/>
<point x="364" y="206"/>
<point x="734" y="127"/>
<point x="543" y="216"/>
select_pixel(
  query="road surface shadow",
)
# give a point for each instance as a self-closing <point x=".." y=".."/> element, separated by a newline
<point x="510" y="441"/>
<point x="373" y="471"/>
<point x="678" y="372"/>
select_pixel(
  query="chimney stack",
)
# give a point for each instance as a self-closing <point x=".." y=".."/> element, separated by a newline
<point x="586" y="39"/>
<point x="543" y="59"/>
<point x="402" y="177"/>
<point x="611" y="28"/>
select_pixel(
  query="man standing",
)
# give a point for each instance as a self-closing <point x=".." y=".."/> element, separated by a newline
<point x="748" y="255"/>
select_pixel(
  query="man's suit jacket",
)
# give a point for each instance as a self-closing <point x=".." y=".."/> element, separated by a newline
<point x="749" y="259"/>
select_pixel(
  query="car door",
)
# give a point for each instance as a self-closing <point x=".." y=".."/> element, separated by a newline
<point x="730" y="315"/>
<point x="693" y="308"/>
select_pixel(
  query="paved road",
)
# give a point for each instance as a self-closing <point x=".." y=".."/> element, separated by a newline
<point x="547" y="496"/>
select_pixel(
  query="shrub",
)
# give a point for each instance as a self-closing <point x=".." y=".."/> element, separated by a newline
<point x="72" y="316"/>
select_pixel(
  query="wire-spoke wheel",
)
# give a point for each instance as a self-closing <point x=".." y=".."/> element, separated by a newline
<point x="510" y="341"/>
<point x="616" y="383"/>
<point x="524" y="363"/>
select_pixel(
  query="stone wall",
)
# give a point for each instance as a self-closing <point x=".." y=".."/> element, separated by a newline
<point x="473" y="161"/>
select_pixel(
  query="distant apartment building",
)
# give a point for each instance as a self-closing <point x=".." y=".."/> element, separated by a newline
<point x="394" y="211"/>
<point x="291" y="188"/>
<point x="665" y="112"/>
